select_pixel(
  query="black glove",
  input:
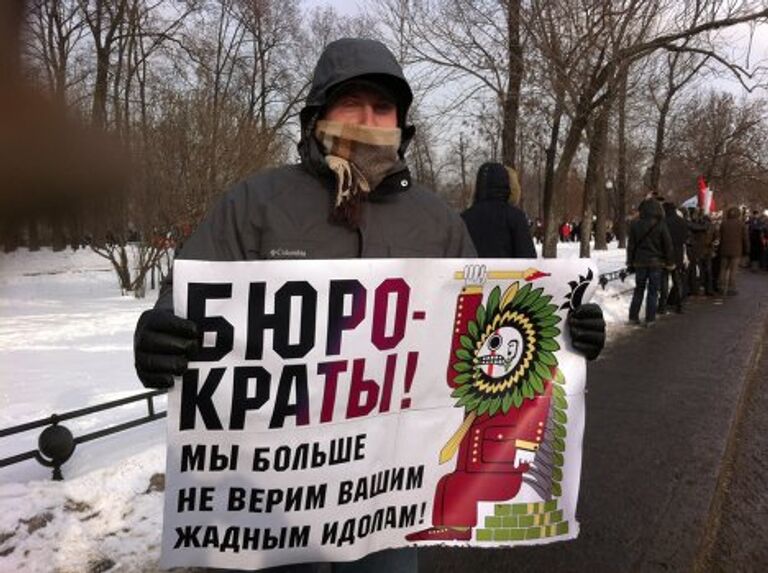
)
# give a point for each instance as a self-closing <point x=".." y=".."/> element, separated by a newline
<point x="587" y="328"/>
<point x="162" y="346"/>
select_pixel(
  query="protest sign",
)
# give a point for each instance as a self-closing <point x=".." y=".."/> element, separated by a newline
<point x="338" y="408"/>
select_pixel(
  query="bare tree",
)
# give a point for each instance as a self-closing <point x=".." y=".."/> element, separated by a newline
<point x="726" y="142"/>
<point x="620" y="185"/>
<point x="474" y="46"/>
<point x="56" y="27"/>
<point x="607" y="36"/>
<point x="681" y="68"/>
<point x="104" y="19"/>
<point x="594" y="182"/>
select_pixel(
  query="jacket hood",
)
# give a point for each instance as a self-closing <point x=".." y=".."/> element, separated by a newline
<point x="353" y="59"/>
<point x="492" y="182"/>
<point x="651" y="209"/>
<point x="733" y="213"/>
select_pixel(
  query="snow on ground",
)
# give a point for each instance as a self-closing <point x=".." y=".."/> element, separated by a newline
<point x="65" y="343"/>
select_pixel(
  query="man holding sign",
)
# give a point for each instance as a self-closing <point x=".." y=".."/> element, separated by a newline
<point x="350" y="197"/>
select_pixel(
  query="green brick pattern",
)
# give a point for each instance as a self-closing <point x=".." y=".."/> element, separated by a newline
<point x="523" y="521"/>
<point x="559" y="419"/>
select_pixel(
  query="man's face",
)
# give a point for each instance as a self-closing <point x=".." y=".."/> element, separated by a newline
<point x="362" y="106"/>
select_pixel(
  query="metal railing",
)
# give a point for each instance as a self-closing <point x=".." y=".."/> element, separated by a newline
<point x="619" y="274"/>
<point x="56" y="443"/>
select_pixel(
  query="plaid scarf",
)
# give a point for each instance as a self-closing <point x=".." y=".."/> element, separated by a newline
<point x="360" y="158"/>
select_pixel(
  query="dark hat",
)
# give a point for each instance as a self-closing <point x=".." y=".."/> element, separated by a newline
<point x="359" y="60"/>
<point x="492" y="182"/>
<point x="362" y="83"/>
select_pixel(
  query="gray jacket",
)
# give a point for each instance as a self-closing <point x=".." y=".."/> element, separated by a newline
<point x="283" y="213"/>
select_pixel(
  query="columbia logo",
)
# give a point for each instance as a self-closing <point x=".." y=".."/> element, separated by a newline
<point x="287" y="253"/>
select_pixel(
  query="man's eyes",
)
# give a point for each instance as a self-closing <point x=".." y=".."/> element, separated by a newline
<point x="384" y="107"/>
<point x="378" y="107"/>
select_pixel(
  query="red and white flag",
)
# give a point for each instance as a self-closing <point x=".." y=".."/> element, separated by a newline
<point x="706" y="198"/>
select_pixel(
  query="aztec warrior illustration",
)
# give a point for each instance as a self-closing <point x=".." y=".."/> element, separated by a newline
<point x="504" y="373"/>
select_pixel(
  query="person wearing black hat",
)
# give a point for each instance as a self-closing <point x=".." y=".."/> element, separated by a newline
<point x="679" y="233"/>
<point x="500" y="230"/>
<point x="351" y="196"/>
<point x="497" y="228"/>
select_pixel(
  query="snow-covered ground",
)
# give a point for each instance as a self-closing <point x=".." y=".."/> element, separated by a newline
<point x="65" y="343"/>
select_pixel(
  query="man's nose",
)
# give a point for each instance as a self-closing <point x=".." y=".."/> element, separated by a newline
<point x="367" y="116"/>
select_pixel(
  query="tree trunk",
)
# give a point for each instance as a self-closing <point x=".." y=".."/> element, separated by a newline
<point x="557" y="205"/>
<point x="10" y="230"/>
<point x="594" y="184"/>
<point x="58" y="241"/>
<point x="515" y="77"/>
<point x="590" y="185"/>
<point x="463" y="166"/>
<point x="620" y="223"/>
<point x="601" y="137"/>
<point x="658" y="150"/>
<point x="33" y="241"/>
<point x="550" y="223"/>
<point x="99" y="108"/>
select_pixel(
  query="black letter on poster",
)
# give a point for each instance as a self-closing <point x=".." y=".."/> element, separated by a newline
<point x="279" y="322"/>
<point x="197" y="294"/>
<point x="337" y="320"/>
<point x="192" y="400"/>
<point x="241" y="401"/>
<point x="294" y="375"/>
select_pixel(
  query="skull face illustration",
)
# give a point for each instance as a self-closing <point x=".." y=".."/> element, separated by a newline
<point x="500" y="352"/>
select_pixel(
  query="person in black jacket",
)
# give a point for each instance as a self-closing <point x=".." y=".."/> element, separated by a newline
<point x="649" y="250"/>
<point x="497" y="228"/>
<point x="500" y="230"/>
<point x="679" y="233"/>
<point x="350" y="196"/>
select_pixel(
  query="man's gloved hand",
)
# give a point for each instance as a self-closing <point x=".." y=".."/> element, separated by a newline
<point x="587" y="328"/>
<point x="162" y="346"/>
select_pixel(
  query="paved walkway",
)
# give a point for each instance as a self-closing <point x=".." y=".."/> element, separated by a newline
<point x="665" y="408"/>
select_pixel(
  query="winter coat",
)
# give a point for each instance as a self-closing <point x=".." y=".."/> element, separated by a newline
<point x="497" y="228"/>
<point x="702" y="239"/>
<point x="757" y="233"/>
<point x="678" y="232"/>
<point x="733" y="235"/>
<point x="283" y="213"/>
<point x="649" y="243"/>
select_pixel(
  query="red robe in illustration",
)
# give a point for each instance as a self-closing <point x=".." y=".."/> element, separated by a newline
<point x="485" y="467"/>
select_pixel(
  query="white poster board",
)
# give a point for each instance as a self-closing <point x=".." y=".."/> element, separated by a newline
<point x="339" y="408"/>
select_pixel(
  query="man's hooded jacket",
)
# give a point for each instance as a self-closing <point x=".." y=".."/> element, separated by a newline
<point x="497" y="228"/>
<point x="650" y="244"/>
<point x="678" y="232"/>
<point x="284" y="212"/>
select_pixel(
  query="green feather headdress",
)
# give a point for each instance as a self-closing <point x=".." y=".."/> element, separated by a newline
<point x="530" y="312"/>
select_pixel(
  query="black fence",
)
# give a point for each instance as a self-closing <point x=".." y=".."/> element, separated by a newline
<point x="56" y="443"/>
<point x="619" y="274"/>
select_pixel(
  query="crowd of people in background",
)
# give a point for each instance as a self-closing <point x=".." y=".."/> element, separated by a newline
<point x="569" y="231"/>
<point x="679" y="253"/>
